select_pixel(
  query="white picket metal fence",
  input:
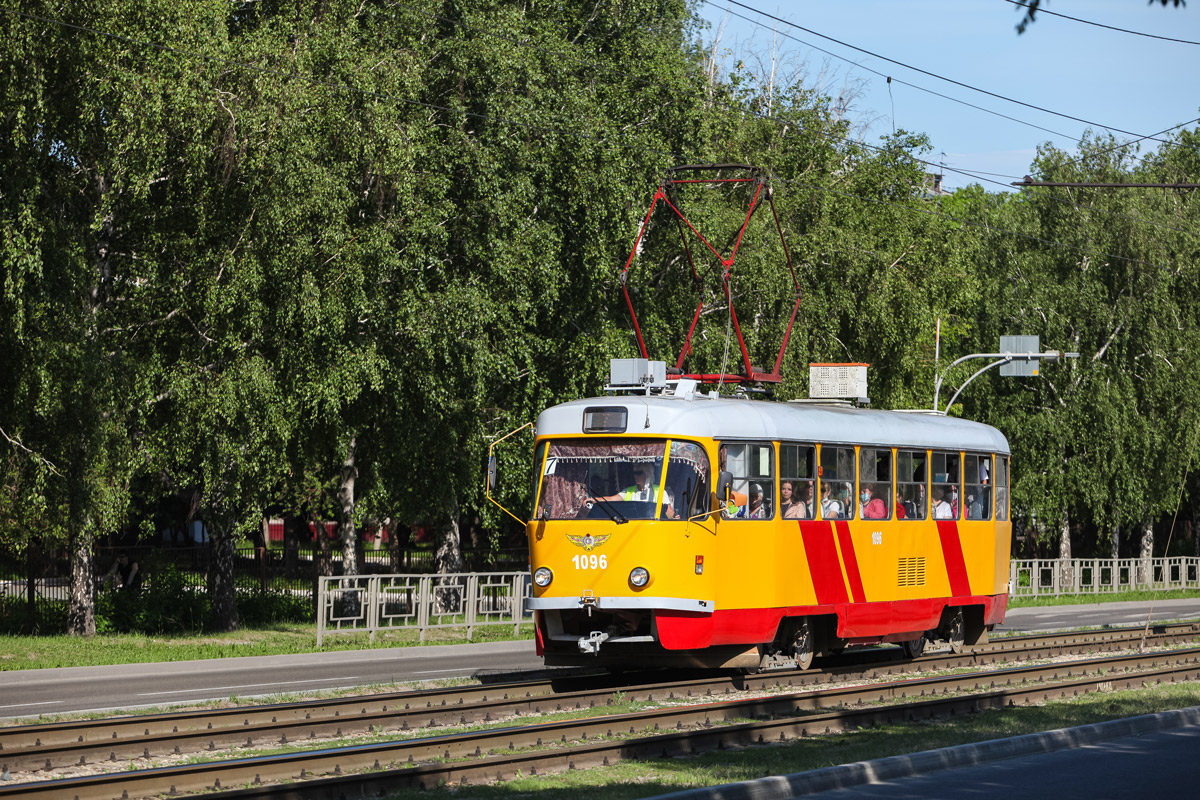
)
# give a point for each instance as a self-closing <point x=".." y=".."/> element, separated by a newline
<point x="472" y="600"/>
<point x="467" y="601"/>
<point x="1054" y="576"/>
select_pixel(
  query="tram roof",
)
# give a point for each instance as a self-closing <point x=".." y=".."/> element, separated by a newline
<point x="734" y="418"/>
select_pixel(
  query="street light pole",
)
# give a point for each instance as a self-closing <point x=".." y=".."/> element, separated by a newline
<point x="1001" y="358"/>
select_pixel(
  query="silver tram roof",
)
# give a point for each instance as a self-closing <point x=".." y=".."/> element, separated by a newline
<point x="733" y="418"/>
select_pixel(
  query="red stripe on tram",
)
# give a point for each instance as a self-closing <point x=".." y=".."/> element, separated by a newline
<point x="823" y="564"/>
<point x="851" y="561"/>
<point x="956" y="565"/>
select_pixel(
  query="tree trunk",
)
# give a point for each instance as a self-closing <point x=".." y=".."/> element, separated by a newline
<point x="322" y="554"/>
<point x="81" y="612"/>
<point x="1067" y="569"/>
<point x="346" y="530"/>
<point x="1196" y="526"/>
<point x="1145" y="568"/>
<point x="222" y="594"/>
<point x="449" y="561"/>
<point x="31" y="615"/>
<point x="348" y="535"/>
<point x="1114" y="533"/>
<point x="391" y="527"/>
<point x="291" y="546"/>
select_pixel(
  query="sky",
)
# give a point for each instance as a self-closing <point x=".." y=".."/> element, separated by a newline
<point x="1133" y="84"/>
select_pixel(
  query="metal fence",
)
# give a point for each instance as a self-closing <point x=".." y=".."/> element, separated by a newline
<point x="1055" y="576"/>
<point x="469" y="600"/>
<point x="293" y="570"/>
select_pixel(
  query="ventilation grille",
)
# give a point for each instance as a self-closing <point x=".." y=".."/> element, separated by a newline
<point x="912" y="571"/>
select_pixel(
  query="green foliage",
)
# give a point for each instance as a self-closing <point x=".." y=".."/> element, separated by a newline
<point x="261" y="608"/>
<point x="238" y="239"/>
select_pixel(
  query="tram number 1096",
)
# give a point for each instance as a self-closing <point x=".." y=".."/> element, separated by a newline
<point x="590" y="562"/>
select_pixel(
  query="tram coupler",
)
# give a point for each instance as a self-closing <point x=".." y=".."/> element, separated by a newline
<point x="591" y="644"/>
<point x="589" y="602"/>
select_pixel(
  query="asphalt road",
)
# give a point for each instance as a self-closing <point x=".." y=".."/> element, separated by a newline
<point x="131" y="686"/>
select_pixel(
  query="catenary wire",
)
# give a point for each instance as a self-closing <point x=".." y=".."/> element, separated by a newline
<point x="922" y="71"/>
<point x="1041" y="10"/>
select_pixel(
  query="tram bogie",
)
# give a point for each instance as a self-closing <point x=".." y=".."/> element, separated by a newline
<point x="699" y="531"/>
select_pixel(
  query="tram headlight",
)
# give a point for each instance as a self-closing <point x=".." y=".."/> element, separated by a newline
<point x="542" y="576"/>
<point x="639" y="576"/>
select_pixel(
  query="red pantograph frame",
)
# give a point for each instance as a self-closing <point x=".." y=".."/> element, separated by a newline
<point x="762" y="187"/>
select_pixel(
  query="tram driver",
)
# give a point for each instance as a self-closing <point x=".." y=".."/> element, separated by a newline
<point x="644" y="491"/>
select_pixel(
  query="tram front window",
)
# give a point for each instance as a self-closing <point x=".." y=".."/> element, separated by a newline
<point x="622" y="480"/>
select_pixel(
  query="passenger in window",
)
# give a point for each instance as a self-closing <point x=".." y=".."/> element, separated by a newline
<point x="798" y="508"/>
<point x="952" y="499"/>
<point x="830" y="507"/>
<point x="756" y="509"/>
<point x="806" y="500"/>
<point x="942" y="508"/>
<point x="786" y="490"/>
<point x="901" y="512"/>
<point x="871" y="506"/>
<point x="846" y="499"/>
<point x="974" y="507"/>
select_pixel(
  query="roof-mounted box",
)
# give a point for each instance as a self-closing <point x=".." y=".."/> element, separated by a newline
<point x="838" y="382"/>
<point x="637" y="373"/>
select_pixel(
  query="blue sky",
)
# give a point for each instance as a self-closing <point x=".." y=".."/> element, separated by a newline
<point x="1108" y="78"/>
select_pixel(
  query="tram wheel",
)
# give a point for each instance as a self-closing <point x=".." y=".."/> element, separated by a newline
<point x="913" y="648"/>
<point x="957" y="635"/>
<point x="802" y="645"/>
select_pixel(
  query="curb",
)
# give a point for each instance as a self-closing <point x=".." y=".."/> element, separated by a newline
<point x="845" y="776"/>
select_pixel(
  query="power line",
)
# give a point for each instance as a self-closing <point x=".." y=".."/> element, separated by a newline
<point x="1041" y="10"/>
<point x="923" y="71"/>
<point x="891" y="78"/>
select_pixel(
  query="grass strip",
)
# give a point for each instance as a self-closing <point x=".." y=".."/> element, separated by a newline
<point x="40" y="652"/>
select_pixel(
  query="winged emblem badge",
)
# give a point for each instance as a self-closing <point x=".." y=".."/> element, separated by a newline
<point x="589" y="542"/>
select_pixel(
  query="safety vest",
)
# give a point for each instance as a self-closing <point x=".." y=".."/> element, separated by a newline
<point x="650" y="493"/>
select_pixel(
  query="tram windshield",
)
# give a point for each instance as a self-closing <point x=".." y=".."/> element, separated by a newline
<point x="623" y="479"/>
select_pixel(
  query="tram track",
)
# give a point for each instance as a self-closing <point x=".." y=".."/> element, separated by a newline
<point x="60" y="744"/>
<point x="468" y="705"/>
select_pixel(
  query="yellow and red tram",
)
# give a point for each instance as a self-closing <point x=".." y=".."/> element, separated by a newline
<point x="687" y="529"/>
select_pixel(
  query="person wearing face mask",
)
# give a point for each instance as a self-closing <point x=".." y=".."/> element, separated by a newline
<point x="953" y="500"/>
<point x="871" y="507"/>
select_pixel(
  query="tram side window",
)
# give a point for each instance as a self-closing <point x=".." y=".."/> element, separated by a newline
<point x="837" y="482"/>
<point x="874" y="483"/>
<point x="751" y="468"/>
<point x="947" y="475"/>
<point x="797" y="464"/>
<point x="977" y="487"/>
<point x="911" y="479"/>
<point x="1001" y="484"/>
<point x="687" y="479"/>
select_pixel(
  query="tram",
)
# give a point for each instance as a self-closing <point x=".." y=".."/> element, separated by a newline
<point x="678" y="528"/>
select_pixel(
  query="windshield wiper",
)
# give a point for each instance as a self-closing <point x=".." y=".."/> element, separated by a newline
<point x="608" y="508"/>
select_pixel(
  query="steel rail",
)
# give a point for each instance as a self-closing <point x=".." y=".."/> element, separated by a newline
<point x="47" y="747"/>
<point x="780" y="711"/>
